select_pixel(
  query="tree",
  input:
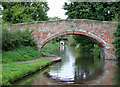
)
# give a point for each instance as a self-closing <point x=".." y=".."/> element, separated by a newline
<point x="104" y="11"/>
<point x="19" y="12"/>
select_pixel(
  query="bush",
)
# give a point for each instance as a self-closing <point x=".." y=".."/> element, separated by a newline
<point x="14" y="39"/>
<point x="116" y="41"/>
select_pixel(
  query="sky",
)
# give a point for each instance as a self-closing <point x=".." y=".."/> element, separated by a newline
<point x="56" y="8"/>
<point x="1" y="8"/>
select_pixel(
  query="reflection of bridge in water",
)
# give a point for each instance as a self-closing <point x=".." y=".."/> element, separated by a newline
<point x="99" y="31"/>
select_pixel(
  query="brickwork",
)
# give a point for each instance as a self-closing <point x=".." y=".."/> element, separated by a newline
<point x="101" y="31"/>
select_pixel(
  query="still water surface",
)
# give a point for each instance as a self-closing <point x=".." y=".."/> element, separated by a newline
<point x="75" y="68"/>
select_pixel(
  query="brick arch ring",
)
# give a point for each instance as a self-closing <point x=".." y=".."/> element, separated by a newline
<point x="106" y="51"/>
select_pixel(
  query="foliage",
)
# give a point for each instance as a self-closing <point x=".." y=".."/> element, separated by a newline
<point x="116" y="41"/>
<point x="54" y="18"/>
<point x="104" y="11"/>
<point x="16" y="38"/>
<point x="15" y="71"/>
<point x="51" y="48"/>
<point x="84" y="43"/>
<point x="19" y="12"/>
<point x="20" y="54"/>
<point x="95" y="50"/>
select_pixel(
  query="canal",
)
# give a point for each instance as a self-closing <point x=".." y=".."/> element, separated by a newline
<point x="75" y="68"/>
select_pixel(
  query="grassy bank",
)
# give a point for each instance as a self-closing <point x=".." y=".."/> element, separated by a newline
<point x="20" y="54"/>
<point x="12" y="71"/>
<point x="15" y="71"/>
<point x="19" y="46"/>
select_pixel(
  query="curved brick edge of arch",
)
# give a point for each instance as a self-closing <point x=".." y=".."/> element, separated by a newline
<point x="106" y="53"/>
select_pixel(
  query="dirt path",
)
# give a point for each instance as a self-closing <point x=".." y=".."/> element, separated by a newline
<point x="44" y="56"/>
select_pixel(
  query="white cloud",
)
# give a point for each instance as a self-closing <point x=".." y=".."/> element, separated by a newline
<point x="56" y="8"/>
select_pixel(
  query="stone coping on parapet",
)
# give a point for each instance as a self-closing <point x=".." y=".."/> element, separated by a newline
<point x="65" y="20"/>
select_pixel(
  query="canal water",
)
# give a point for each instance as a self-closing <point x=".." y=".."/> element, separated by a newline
<point x="75" y="68"/>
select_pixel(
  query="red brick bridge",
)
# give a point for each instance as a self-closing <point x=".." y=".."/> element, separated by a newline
<point x="99" y="31"/>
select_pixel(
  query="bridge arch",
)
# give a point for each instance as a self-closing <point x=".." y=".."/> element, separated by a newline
<point x="44" y="31"/>
<point x="103" y="45"/>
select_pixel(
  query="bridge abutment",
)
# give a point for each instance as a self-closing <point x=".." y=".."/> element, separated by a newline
<point x="108" y="54"/>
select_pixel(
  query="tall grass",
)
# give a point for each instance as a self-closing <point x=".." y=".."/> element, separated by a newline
<point x="20" y="54"/>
